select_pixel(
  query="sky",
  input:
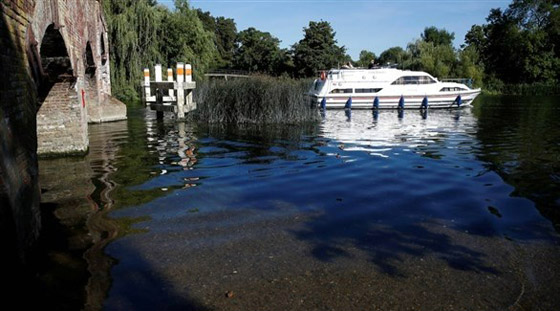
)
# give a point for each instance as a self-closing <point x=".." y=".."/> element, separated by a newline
<point x="373" y="25"/>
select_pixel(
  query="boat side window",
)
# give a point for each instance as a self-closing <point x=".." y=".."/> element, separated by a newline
<point x="367" y="90"/>
<point x="341" y="91"/>
<point x="406" y="80"/>
<point x="413" y="80"/>
<point x="426" y="80"/>
<point x="452" y="89"/>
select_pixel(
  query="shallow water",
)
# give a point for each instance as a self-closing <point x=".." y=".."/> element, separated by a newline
<point x="362" y="211"/>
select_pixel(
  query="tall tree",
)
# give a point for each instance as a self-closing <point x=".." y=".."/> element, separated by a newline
<point x="470" y="66"/>
<point x="318" y="50"/>
<point x="143" y="33"/>
<point x="520" y="44"/>
<point x="134" y="29"/>
<point x="394" y="55"/>
<point x="438" y="36"/>
<point x="365" y="58"/>
<point x="438" y="60"/>
<point x="186" y="40"/>
<point x="226" y="33"/>
<point x="257" y="51"/>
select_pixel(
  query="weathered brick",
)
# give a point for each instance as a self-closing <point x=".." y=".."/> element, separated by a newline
<point x="61" y="123"/>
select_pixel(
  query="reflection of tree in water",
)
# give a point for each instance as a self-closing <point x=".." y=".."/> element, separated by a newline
<point x="519" y="140"/>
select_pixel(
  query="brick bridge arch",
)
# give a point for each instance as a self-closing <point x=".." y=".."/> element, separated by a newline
<point x="74" y="80"/>
<point x="43" y="47"/>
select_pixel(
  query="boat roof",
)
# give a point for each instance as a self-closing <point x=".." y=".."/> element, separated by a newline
<point x="378" y="73"/>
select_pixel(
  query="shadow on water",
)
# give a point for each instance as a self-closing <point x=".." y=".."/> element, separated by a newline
<point x="378" y="188"/>
<point x="391" y="223"/>
<point x="375" y="180"/>
<point x="387" y="243"/>
<point x="332" y="171"/>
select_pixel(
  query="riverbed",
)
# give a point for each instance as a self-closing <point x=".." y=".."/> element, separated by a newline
<point x="449" y="210"/>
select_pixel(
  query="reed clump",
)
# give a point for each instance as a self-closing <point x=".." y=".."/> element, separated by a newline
<point x="258" y="99"/>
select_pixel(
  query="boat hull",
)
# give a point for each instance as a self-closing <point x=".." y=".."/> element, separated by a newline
<point x="393" y="102"/>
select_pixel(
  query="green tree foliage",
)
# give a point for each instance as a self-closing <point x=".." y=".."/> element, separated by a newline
<point x="365" y="58"/>
<point x="134" y="29"/>
<point x="520" y="44"/>
<point x="439" y="60"/>
<point x="433" y="53"/>
<point x="186" y="40"/>
<point x="257" y="51"/>
<point x="438" y="36"/>
<point x="318" y="50"/>
<point x="143" y="33"/>
<point x="225" y="34"/>
<point x="470" y="66"/>
<point x="394" y="55"/>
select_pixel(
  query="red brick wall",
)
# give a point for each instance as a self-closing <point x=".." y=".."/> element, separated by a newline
<point x="79" y="22"/>
<point x="19" y="189"/>
<point x="61" y="120"/>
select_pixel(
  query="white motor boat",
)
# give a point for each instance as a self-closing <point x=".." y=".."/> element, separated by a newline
<point x="387" y="88"/>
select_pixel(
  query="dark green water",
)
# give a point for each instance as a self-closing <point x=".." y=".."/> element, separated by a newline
<point x="454" y="209"/>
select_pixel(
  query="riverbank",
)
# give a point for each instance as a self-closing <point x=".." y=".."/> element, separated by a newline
<point x="532" y="89"/>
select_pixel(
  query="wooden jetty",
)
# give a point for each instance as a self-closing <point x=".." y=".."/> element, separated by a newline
<point x="173" y="95"/>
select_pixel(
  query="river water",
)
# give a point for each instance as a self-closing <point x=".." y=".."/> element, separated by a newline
<point x="455" y="209"/>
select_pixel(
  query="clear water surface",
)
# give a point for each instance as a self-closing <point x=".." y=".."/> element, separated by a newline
<point x="456" y="209"/>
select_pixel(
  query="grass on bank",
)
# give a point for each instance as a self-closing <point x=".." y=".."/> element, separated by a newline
<point x="258" y="99"/>
<point x="532" y="89"/>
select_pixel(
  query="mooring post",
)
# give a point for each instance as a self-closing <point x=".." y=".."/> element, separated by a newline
<point x="158" y="72"/>
<point x="180" y="91"/>
<point x="188" y="78"/>
<point x="170" y="79"/>
<point x="147" y="85"/>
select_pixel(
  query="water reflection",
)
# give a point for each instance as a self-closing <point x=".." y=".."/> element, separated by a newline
<point x="78" y="193"/>
<point x="520" y="141"/>
<point x="258" y="209"/>
<point x="383" y="135"/>
<point x="362" y="189"/>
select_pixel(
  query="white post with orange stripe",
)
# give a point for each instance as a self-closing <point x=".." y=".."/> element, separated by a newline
<point x="188" y="78"/>
<point x="170" y="79"/>
<point x="188" y="73"/>
<point x="147" y="85"/>
<point x="180" y="91"/>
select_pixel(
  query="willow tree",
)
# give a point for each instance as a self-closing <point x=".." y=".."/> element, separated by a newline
<point x="134" y="29"/>
<point x="143" y="33"/>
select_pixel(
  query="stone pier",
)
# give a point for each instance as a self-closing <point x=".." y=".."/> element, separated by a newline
<point x="54" y="58"/>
